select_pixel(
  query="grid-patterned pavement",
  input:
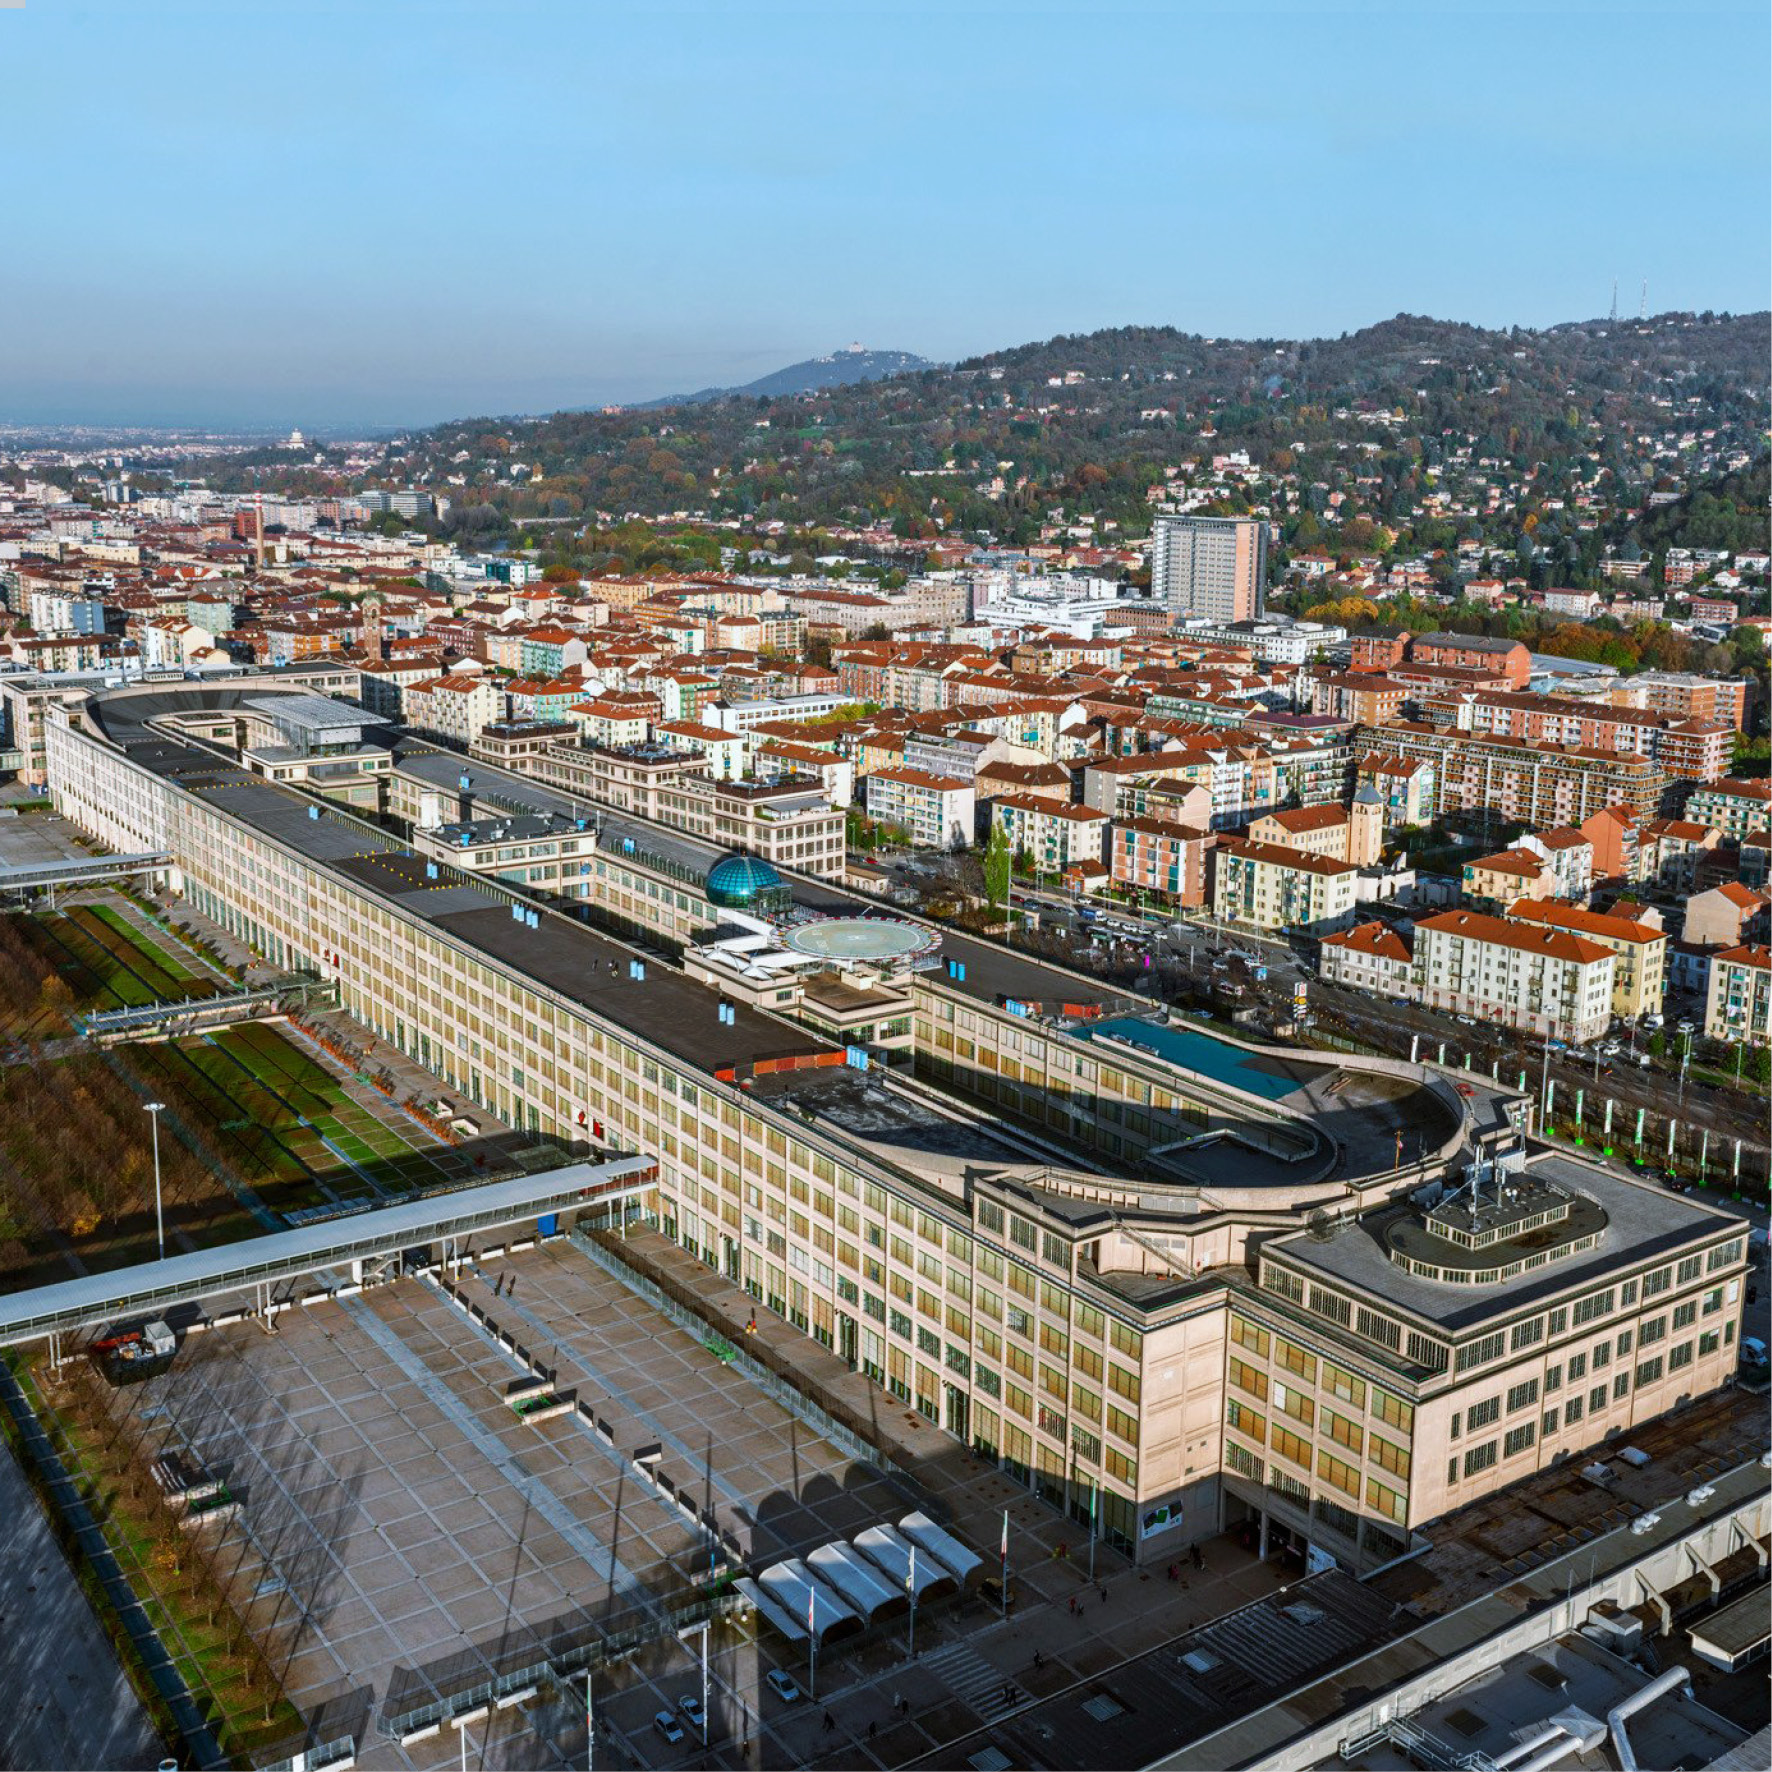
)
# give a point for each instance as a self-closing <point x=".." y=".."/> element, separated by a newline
<point x="403" y="1528"/>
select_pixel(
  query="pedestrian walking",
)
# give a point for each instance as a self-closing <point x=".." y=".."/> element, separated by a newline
<point x="1073" y="1605"/>
<point x="1104" y="1596"/>
<point x="830" y="1722"/>
<point x="872" y="1726"/>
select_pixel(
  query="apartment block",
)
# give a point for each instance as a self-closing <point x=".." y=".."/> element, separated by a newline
<point x="1405" y="787"/>
<point x="1475" y="652"/>
<point x="1732" y="807"/>
<point x="1684" y="695"/>
<point x="1688" y="749"/>
<point x="1052" y="837"/>
<point x="1738" y="1003"/>
<point x="1540" y="785"/>
<point x="1270" y="887"/>
<point x="1543" y="980"/>
<point x="937" y="810"/>
<point x="455" y="708"/>
<point x="1370" y="957"/>
<point x="1209" y="566"/>
<point x="1155" y="855"/>
<point x="1639" y="975"/>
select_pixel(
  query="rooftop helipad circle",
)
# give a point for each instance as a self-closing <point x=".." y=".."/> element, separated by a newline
<point x="859" y="938"/>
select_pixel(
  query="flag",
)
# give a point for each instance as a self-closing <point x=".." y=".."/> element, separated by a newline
<point x="811" y="1629"/>
<point x="910" y="1580"/>
<point x="1005" y="1552"/>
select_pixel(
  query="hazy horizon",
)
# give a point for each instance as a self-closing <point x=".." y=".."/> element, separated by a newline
<point x="344" y="219"/>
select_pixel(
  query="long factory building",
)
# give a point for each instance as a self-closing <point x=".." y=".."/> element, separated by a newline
<point x="1187" y="1280"/>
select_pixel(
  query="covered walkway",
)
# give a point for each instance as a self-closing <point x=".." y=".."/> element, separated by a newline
<point x="46" y="1311"/>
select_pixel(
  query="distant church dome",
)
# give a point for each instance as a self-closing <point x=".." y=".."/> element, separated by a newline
<point x="736" y="882"/>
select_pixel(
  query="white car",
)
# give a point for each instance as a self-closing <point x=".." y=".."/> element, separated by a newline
<point x="667" y="1726"/>
<point x="782" y="1686"/>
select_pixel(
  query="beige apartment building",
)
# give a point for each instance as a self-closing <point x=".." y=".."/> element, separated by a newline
<point x="1147" y="1322"/>
<point x="1639" y="972"/>
<point x="787" y="821"/>
<point x="1543" y="980"/>
<point x="1052" y="836"/>
<point x="1210" y="566"/>
<point x="1270" y="887"/>
<point x="456" y="708"/>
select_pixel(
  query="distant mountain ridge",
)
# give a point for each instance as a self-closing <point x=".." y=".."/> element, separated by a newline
<point x="840" y="369"/>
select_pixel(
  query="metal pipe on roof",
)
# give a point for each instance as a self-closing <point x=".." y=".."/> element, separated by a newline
<point x="1675" y="1679"/>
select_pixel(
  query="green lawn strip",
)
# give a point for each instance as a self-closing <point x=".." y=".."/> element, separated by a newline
<point x="230" y="1095"/>
<point x="128" y="987"/>
<point x="258" y="1151"/>
<point x="216" y="1678"/>
<point x="143" y="938"/>
<point x="137" y="962"/>
<point x="310" y="1092"/>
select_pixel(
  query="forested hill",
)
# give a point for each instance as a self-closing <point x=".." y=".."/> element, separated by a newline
<point x="837" y="370"/>
<point x="1001" y="443"/>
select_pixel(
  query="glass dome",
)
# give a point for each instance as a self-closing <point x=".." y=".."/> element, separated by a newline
<point x="737" y="882"/>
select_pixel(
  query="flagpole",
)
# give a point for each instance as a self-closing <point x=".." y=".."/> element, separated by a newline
<point x="811" y="1646"/>
<point x="590" y="1727"/>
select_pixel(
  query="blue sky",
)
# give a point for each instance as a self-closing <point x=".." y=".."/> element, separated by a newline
<point x="287" y="213"/>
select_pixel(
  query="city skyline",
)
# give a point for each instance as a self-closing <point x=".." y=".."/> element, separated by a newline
<point x="644" y="209"/>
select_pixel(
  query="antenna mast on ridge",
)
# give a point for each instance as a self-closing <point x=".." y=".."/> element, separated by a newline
<point x="1614" y="301"/>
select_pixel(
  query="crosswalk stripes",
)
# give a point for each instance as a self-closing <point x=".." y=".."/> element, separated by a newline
<point x="969" y="1676"/>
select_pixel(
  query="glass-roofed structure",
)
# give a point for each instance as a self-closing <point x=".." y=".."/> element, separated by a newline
<point x="746" y="883"/>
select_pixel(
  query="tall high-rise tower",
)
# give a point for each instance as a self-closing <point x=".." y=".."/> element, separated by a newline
<point x="1210" y="566"/>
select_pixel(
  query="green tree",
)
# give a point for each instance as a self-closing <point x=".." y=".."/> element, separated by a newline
<point x="998" y="862"/>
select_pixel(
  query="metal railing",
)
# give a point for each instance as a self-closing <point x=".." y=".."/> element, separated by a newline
<point x="339" y="1751"/>
<point x="597" y="1649"/>
<point x="1424" y="1749"/>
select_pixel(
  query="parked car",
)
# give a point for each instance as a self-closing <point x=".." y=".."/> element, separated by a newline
<point x="1754" y="1359"/>
<point x="782" y="1686"/>
<point x="667" y="1726"/>
<point x="690" y="1706"/>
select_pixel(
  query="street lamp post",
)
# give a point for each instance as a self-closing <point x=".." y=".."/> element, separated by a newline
<point x="154" y="1109"/>
<point x="683" y="1636"/>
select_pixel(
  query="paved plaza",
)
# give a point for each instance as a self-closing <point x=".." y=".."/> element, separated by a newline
<point x="406" y="1535"/>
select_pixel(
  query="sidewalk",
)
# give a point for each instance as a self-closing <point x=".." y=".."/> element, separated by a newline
<point x="972" y="1665"/>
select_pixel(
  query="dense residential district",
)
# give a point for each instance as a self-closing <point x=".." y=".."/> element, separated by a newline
<point x="1079" y="1148"/>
